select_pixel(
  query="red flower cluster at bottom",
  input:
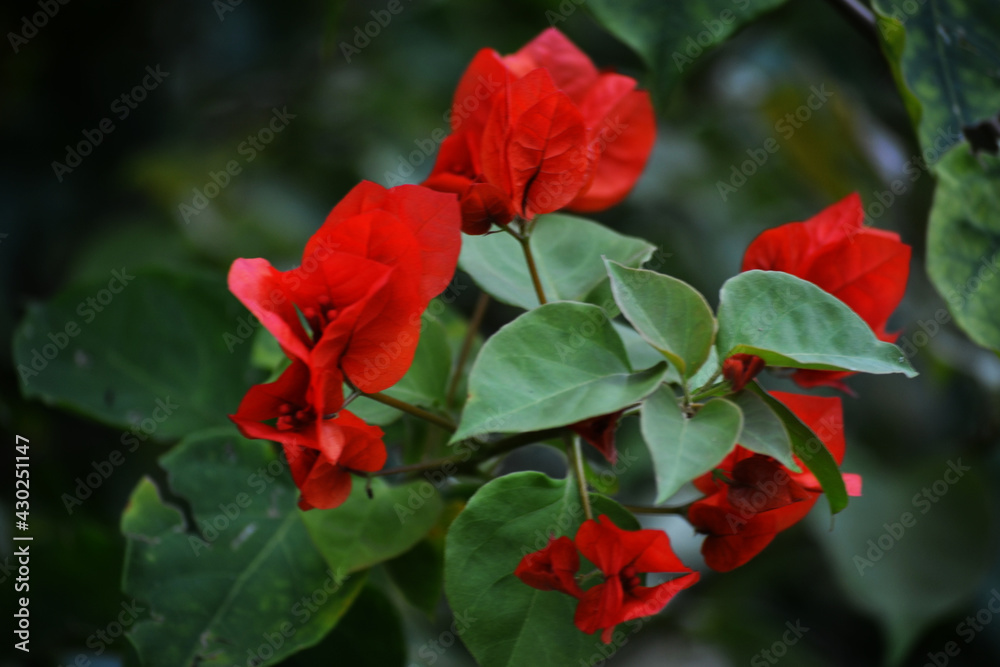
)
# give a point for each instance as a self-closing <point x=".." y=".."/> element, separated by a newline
<point x="620" y="555"/>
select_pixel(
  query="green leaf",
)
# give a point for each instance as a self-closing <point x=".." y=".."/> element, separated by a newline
<point x="217" y="588"/>
<point x="810" y="450"/>
<point x="684" y="447"/>
<point x="164" y="354"/>
<point x="945" y="58"/>
<point x="419" y="574"/>
<point x="552" y="366"/>
<point x="707" y="370"/>
<point x="365" y="531"/>
<point x="567" y="252"/>
<point x="763" y="431"/>
<point x="902" y="586"/>
<point x="426" y="382"/>
<point x="668" y="313"/>
<point x="790" y="322"/>
<point x="370" y="635"/>
<point x="963" y="242"/>
<point x="671" y="37"/>
<point x="502" y="620"/>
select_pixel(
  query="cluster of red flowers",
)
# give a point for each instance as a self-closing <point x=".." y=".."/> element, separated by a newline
<point x="350" y="312"/>
<point x="552" y="132"/>
<point x="620" y="556"/>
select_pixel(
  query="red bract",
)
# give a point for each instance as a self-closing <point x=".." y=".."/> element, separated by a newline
<point x="865" y="268"/>
<point x="540" y="130"/>
<point x="761" y="497"/>
<point x="552" y="568"/>
<point x="321" y="452"/>
<point x="365" y="278"/>
<point x="741" y="368"/>
<point x="622" y="555"/>
<point x="599" y="432"/>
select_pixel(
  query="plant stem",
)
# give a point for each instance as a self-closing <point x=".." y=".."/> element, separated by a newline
<point x="575" y="453"/>
<point x="532" y="269"/>
<point x="855" y="12"/>
<point x="640" y="509"/>
<point x="411" y="409"/>
<point x="470" y="335"/>
<point x="464" y="462"/>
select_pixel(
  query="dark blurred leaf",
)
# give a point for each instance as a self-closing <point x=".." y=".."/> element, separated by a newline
<point x="163" y="354"/>
<point x="946" y="58"/>
<point x="914" y="546"/>
<point x="502" y="620"/>
<point x="963" y="242"/>
<point x="365" y="531"/>
<point x="370" y="635"/>
<point x="245" y="577"/>
<point x="419" y="574"/>
<point x="555" y="365"/>
<point x="672" y="36"/>
<point x="567" y="251"/>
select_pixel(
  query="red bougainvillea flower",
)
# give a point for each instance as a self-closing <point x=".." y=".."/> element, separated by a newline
<point x="755" y="497"/>
<point x="599" y="432"/>
<point x="321" y="452"/>
<point x="740" y="369"/>
<point x="540" y="130"/>
<point x="622" y="555"/>
<point x="365" y="278"/>
<point x="865" y="268"/>
<point x="553" y="568"/>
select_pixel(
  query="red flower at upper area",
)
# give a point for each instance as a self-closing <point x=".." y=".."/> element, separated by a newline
<point x="865" y="268"/>
<point x="761" y="497"/>
<point x="365" y="278"/>
<point x="540" y="130"/>
<point x="621" y="556"/>
<point x="321" y="452"/>
<point x="599" y="432"/>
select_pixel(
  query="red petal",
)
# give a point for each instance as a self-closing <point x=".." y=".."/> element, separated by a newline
<point x="620" y="145"/>
<point x="552" y="568"/>
<point x="259" y="286"/>
<point x="570" y="68"/>
<point x="599" y="606"/>
<point x="611" y="549"/>
<point x="475" y="94"/>
<point x="646" y="601"/>
<point x="599" y="432"/>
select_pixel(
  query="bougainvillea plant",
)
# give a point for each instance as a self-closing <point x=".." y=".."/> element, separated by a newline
<point x="601" y="340"/>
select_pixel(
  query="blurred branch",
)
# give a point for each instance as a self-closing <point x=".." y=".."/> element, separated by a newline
<point x="858" y="15"/>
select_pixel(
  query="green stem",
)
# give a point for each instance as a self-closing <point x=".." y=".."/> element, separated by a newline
<point x="411" y="409"/>
<point x="464" y="462"/>
<point x="532" y="269"/>
<point x="575" y="453"/>
<point x="470" y="335"/>
<point x="641" y="509"/>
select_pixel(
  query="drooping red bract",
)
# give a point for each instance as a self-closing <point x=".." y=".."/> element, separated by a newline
<point x="321" y="452"/>
<point x="622" y="555"/>
<point x="865" y="268"/>
<point x="541" y="130"/>
<point x="552" y="568"/>
<point x="755" y="497"/>
<point x="740" y="369"/>
<point x="599" y="432"/>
